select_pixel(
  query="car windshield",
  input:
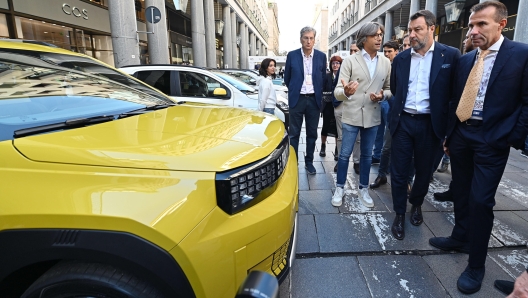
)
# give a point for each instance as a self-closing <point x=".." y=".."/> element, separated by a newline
<point x="36" y="93"/>
<point x="236" y="83"/>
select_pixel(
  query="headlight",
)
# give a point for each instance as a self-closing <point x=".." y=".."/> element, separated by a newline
<point x="244" y="187"/>
<point x="282" y="105"/>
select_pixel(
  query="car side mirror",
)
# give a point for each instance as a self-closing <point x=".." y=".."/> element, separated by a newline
<point x="252" y="82"/>
<point x="219" y="92"/>
<point x="259" y="284"/>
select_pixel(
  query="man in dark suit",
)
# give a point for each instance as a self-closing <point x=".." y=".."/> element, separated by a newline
<point x="488" y="114"/>
<point x="304" y="75"/>
<point x="421" y="86"/>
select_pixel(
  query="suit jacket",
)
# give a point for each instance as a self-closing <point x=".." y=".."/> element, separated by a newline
<point x="440" y="85"/>
<point x="505" y="113"/>
<point x="359" y="110"/>
<point x="294" y="75"/>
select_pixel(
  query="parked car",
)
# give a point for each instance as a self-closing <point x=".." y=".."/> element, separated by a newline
<point x="109" y="188"/>
<point x="200" y="85"/>
<point x="250" y="77"/>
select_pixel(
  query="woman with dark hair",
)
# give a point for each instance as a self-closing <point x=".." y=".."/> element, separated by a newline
<point x="267" y="97"/>
<point x="327" y="106"/>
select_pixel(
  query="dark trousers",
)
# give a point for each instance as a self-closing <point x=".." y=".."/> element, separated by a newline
<point x="477" y="169"/>
<point x="414" y="135"/>
<point x="307" y="107"/>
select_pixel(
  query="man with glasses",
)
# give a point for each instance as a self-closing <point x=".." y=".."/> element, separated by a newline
<point x="304" y="75"/>
<point x="421" y="85"/>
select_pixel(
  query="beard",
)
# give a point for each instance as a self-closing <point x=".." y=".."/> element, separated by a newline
<point x="420" y="44"/>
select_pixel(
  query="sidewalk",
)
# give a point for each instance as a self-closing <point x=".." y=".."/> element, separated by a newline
<point x="350" y="252"/>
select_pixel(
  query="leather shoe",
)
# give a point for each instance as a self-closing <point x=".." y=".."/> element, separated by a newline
<point x="446" y="196"/>
<point x="310" y="169"/>
<point x="322" y="153"/>
<point x="335" y="169"/>
<point x="356" y="168"/>
<point x="398" y="227"/>
<point x="380" y="180"/>
<point x="448" y="244"/>
<point x="416" y="215"/>
<point x="470" y="280"/>
<point x="505" y="286"/>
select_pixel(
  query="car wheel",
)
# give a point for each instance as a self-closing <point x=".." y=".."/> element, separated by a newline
<point x="82" y="279"/>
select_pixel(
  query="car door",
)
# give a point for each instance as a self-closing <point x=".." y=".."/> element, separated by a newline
<point x="200" y="87"/>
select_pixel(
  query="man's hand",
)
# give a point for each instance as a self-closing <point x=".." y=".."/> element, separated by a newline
<point x="376" y="97"/>
<point x="446" y="149"/>
<point x="349" y="88"/>
<point x="520" y="289"/>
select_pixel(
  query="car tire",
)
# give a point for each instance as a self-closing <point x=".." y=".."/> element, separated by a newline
<point x="82" y="279"/>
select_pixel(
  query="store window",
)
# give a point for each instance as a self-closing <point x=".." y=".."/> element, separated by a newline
<point x="100" y="2"/>
<point x="3" y="26"/>
<point x="102" y="48"/>
<point x="58" y="35"/>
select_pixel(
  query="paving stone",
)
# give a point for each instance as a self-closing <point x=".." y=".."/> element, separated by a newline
<point x="320" y="181"/>
<point x="513" y="262"/>
<point x="284" y="288"/>
<point x="307" y="235"/>
<point x="416" y="238"/>
<point x="448" y="268"/>
<point x="303" y="182"/>
<point x="345" y="233"/>
<point x="351" y="203"/>
<point x="400" y="276"/>
<point x="509" y="228"/>
<point x="316" y="202"/>
<point x="512" y="169"/>
<point x="505" y="203"/>
<point x="328" y="277"/>
<point x="438" y="186"/>
<point x="514" y="187"/>
<point x="385" y="195"/>
<point x="522" y="214"/>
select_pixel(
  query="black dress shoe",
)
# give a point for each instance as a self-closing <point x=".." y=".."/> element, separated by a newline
<point x="446" y="196"/>
<point x="416" y="215"/>
<point x="398" y="227"/>
<point x="336" y="156"/>
<point x="380" y="180"/>
<point x="322" y="153"/>
<point x="375" y="161"/>
<point x="356" y="168"/>
<point x="470" y="280"/>
<point x="505" y="286"/>
<point x="448" y="244"/>
<point x="335" y="169"/>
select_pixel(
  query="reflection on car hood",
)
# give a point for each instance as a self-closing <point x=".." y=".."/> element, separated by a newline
<point x="188" y="138"/>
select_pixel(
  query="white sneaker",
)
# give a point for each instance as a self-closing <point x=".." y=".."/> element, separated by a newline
<point x="365" y="198"/>
<point x="337" y="199"/>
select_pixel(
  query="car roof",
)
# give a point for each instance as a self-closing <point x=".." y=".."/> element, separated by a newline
<point x="164" y="65"/>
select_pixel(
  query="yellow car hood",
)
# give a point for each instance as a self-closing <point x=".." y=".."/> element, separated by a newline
<point x="184" y="138"/>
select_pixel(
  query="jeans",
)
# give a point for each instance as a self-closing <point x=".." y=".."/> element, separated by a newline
<point x="378" y="143"/>
<point x="305" y="108"/>
<point x="338" y="113"/>
<point x="350" y="133"/>
<point x="269" y="111"/>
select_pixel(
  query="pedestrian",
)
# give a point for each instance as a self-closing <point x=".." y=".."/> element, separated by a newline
<point x="327" y="108"/>
<point x="267" y="98"/>
<point x="364" y="81"/>
<point x="420" y="82"/>
<point x="304" y="75"/>
<point x="405" y="43"/>
<point x="488" y="116"/>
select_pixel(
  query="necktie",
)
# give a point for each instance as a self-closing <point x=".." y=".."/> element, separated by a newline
<point x="469" y="95"/>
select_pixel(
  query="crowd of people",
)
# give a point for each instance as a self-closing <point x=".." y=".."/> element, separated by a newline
<point x="420" y="108"/>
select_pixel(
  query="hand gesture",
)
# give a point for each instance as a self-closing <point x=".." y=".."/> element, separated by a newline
<point x="376" y="97"/>
<point x="349" y="88"/>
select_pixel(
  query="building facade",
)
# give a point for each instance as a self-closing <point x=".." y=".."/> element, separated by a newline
<point x="273" y="30"/>
<point x="320" y="23"/>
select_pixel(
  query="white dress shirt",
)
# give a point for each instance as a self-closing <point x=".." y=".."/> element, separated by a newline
<point x="489" y="60"/>
<point x="418" y="94"/>
<point x="308" y="66"/>
<point x="371" y="62"/>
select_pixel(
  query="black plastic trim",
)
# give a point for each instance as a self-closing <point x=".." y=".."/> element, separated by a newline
<point x="22" y="248"/>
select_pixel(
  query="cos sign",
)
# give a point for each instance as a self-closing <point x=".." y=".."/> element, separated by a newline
<point x="75" y="11"/>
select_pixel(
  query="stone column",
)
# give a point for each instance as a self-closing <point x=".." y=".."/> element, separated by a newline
<point x="243" y="46"/>
<point x="252" y="44"/>
<point x="388" y="26"/>
<point x="234" y="50"/>
<point x="226" y="35"/>
<point x="124" y="32"/>
<point x="432" y="6"/>
<point x="415" y="6"/>
<point x="158" y="42"/>
<point x="258" y="51"/>
<point x="521" y="26"/>
<point x="198" y="33"/>
<point x="210" y="36"/>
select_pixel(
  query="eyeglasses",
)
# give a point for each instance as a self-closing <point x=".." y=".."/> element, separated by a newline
<point x="336" y="63"/>
<point x="380" y="35"/>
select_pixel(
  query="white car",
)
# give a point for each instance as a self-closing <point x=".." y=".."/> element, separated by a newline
<point x="250" y="77"/>
<point x="196" y="84"/>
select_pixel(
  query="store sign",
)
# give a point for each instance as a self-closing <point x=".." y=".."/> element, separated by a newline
<point x="74" y="11"/>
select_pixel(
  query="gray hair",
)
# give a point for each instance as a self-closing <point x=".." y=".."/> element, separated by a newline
<point x="308" y="29"/>
<point x="369" y="29"/>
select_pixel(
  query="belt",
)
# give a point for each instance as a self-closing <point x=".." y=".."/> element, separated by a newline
<point x="308" y="95"/>
<point x="418" y="116"/>
<point x="473" y="122"/>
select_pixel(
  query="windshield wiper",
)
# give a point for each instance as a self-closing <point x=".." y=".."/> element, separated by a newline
<point x="147" y="109"/>
<point x="70" y="123"/>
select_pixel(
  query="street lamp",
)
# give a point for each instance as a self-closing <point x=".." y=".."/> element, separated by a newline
<point x="219" y="26"/>
<point x="453" y="10"/>
<point x="399" y="30"/>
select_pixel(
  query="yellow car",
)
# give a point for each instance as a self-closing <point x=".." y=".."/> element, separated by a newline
<point x="108" y="188"/>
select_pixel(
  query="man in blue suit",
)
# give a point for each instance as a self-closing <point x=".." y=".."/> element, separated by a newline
<point x="304" y="75"/>
<point x="421" y="87"/>
<point x="488" y="114"/>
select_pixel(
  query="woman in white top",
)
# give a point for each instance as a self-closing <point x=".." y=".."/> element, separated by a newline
<point x="267" y="97"/>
